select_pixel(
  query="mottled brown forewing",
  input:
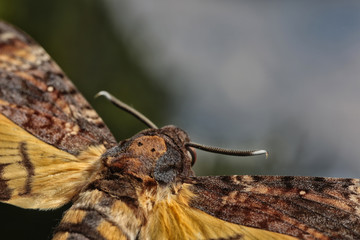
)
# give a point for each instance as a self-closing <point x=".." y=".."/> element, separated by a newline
<point x="304" y="207"/>
<point x="50" y="137"/>
<point x="36" y="95"/>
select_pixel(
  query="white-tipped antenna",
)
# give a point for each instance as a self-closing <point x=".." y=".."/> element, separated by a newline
<point x="150" y="124"/>
<point x="232" y="152"/>
<point x="127" y="108"/>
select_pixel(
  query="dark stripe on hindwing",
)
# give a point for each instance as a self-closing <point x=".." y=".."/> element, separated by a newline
<point x="28" y="166"/>
<point x="5" y="192"/>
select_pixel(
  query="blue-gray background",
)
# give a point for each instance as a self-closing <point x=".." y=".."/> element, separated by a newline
<point x="278" y="75"/>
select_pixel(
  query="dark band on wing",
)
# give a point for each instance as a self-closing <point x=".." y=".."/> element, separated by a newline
<point x="28" y="166"/>
<point x="5" y="192"/>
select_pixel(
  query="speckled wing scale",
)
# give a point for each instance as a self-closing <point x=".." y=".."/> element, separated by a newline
<point x="54" y="148"/>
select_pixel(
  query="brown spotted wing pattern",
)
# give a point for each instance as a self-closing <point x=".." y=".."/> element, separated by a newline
<point x="37" y="96"/>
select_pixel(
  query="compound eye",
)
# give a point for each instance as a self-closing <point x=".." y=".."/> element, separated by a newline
<point x="192" y="153"/>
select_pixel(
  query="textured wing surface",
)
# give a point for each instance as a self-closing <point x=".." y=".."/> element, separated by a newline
<point x="37" y="96"/>
<point x="50" y="137"/>
<point x="304" y="207"/>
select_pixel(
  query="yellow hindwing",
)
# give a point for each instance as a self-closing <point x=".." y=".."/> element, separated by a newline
<point x="34" y="174"/>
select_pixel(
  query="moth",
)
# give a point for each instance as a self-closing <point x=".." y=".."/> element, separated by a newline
<point x="54" y="149"/>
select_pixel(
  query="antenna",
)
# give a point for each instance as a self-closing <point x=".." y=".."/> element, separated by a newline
<point x="232" y="152"/>
<point x="150" y="124"/>
<point x="127" y="108"/>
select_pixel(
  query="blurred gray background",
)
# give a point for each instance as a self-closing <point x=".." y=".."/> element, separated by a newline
<point x="276" y="75"/>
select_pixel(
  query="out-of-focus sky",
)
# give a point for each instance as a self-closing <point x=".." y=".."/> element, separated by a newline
<point x="279" y="75"/>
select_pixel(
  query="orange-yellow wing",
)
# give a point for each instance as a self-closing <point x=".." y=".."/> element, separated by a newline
<point x="50" y="137"/>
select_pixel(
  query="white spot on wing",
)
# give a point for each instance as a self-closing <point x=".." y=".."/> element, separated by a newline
<point x="302" y="193"/>
<point x="50" y="89"/>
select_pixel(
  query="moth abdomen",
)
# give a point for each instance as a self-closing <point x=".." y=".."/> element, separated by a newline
<point x="97" y="215"/>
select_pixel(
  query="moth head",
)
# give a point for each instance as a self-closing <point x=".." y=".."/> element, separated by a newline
<point x="165" y="154"/>
<point x="161" y="154"/>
